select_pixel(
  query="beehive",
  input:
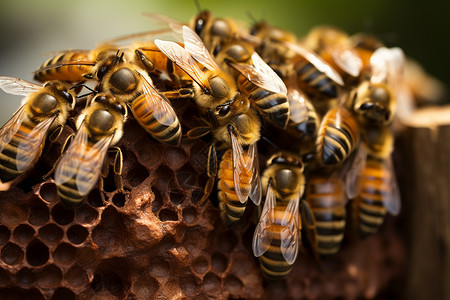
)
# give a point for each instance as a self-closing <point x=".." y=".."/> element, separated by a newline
<point x="154" y="241"/>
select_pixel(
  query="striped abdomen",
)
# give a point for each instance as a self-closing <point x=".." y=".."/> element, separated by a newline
<point x="77" y="180"/>
<point x="273" y="106"/>
<point x="314" y="82"/>
<point x="337" y="137"/>
<point x="272" y="263"/>
<point x="374" y="189"/>
<point x="56" y="68"/>
<point x="327" y="201"/>
<point x="309" y="126"/>
<point x="165" y="128"/>
<point x="231" y="208"/>
<point x="13" y="164"/>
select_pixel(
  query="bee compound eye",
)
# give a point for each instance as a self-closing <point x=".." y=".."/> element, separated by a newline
<point x="224" y="110"/>
<point x="120" y="108"/>
<point x="68" y="97"/>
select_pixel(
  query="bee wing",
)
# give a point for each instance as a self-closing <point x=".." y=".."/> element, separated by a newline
<point x="246" y="170"/>
<point x="175" y="25"/>
<point x="392" y="201"/>
<point x="162" y="110"/>
<point x="262" y="236"/>
<point x="82" y="163"/>
<point x="289" y="234"/>
<point x="297" y="103"/>
<point x="17" y="86"/>
<point x="387" y="65"/>
<point x="11" y="127"/>
<point x="182" y="59"/>
<point x="261" y="74"/>
<point x="317" y="61"/>
<point x="352" y="170"/>
<point x="194" y="45"/>
<point x="29" y="148"/>
<point x="348" y="60"/>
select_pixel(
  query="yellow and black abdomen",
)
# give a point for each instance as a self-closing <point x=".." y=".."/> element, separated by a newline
<point x="64" y="67"/>
<point x="337" y="137"/>
<point x="13" y="164"/>
<point x="165" y="128"/>
<point x="327" y="201"/>
<point x="313" y="81"/>
<point x="374" y="189"/>
<point x="231" y="208"/>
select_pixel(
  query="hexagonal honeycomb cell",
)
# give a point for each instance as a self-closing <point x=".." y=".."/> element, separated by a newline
<point x="153" y="241"/>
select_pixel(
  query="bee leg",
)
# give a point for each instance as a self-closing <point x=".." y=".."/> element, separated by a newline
<point x="180" y="93"/>
<point x="55" y="134"/>
<point x="64" y="148"/>
<point x="149" y="66"/>
<point x="211" y="171"/>
<point x="104" y="173"/>
<point x="118" y="165"/>
<point x="171" y="72"/>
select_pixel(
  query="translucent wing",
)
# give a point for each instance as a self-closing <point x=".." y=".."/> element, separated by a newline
<point x="182" y="59"/>
<point x="289" y="234"/>
<point x="175" y="25"/>
<point x="30" y="147"/>
<point x="348" y="60"/>
<point x="82" y="162"/>
<point x="262" y="236"/>
<point x="297" y="106"/>
<point x="245" y="172"/>
<point x="17" y="86"/>
<point x="11" y="127"/>
<point x="162" y="111"/>
<point x="194" y="45"/>
<point x="387" y="65"/>
<point x="317" y="61"/>
<point x="392" y="200"/>
<point x="260" y="74"/>
<point x="352" y="171"/>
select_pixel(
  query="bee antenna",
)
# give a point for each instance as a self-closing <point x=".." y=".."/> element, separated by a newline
<point x="270" y="143"/>
<point x="197" y="4"/>
<point x="91" y="91"/>
<point x="212" y="119"/>
<point x="250" y="16"/>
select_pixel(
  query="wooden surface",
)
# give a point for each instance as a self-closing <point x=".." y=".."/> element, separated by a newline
<point x="423" y="157"/>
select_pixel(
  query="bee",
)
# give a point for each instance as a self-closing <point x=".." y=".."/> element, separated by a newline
<point x="256" y="80"/>
<point x="338" y="135"/>
<point x="374" y="100"/>
<point x="276" y="240"/>
<point x="377" y="190"/>
<point x="365" y="44"/>
<point x="235" y="128"/>
<point x="152" y="109"/>
<point x="316" y="77"/>
<point x="326" y="198"/>
<point x="335" y="47"/>
<point x="213" y="86"/>
<point x="71" y="65"/>
<point x="43" y="114"/>
<point x="303" y="118"/>
<point x="100" y="127"/>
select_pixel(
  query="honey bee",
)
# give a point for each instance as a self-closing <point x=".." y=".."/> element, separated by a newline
<point x="71" y="65"/>
<point x="236" y="126"/>
<point x="128" y="84"/>
<point x="326" y="198"/>
<point x="338" y="135"/>
<point x="315" y="76"/>
<point x="276" y="240"/>
<point x="22" y="138"/>
<point x="213" y="87"/>
<point x="335" y="47"/>
<point x="377" y="190"/>
<point x="257" y="80"/>
<point x="100" y="127"/>
<point x="374" y="100"/>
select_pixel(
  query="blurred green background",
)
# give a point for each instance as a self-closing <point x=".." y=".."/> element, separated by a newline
<point x="29" y="29"/>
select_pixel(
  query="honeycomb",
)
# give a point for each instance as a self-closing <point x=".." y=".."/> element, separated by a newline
<point x="154" y="241"/>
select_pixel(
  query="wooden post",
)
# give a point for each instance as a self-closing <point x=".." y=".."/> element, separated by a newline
<point x="424" y="154"/>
